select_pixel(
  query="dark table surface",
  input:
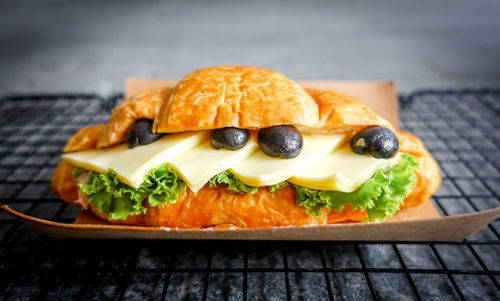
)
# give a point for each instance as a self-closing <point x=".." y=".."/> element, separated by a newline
<point x="460" y="128"/>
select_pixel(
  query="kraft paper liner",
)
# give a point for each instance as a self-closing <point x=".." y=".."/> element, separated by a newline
<point x="447" y="228"/>
<point x="421" y="223"/>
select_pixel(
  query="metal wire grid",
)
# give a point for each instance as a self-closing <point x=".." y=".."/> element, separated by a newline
<point x="460" y="128"/>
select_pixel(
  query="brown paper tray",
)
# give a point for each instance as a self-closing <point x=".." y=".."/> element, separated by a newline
<point x="421" y="223"/>
<point x="403" y="227"/>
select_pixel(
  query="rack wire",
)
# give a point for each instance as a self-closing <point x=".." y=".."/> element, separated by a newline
<point x="460" y="128"/>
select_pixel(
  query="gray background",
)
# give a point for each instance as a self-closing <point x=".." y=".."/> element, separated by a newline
<point x="79" y="46"/>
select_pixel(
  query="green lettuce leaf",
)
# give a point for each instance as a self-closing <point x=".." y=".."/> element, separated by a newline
<point x="234" y="184"/>
<point x="118" y="200"/>
<point x="278" y="186"/>
<point x="381" y="196"/>
<point x="77" y="172"/>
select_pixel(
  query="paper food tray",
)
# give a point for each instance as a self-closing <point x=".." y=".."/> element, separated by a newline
<point x="421" y="223"/>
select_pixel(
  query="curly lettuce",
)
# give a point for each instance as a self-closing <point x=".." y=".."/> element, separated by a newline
<point x="233" y="183"/>
<point x="381" y="196"/>
<point x="77" y="172"/>
<point x="278" y="186"/>
<point x="118" y="200"/>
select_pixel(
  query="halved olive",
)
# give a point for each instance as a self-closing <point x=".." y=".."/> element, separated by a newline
<point x="140" y="133"/>
<point x="230" y="138"/>
<point x="283" y="141"/>
<point x="380" y="141"/>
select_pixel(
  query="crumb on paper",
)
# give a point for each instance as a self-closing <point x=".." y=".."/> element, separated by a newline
<point x="166" y="228"/>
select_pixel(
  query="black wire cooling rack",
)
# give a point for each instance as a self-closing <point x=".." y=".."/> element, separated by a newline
<point x="460" y="128"/>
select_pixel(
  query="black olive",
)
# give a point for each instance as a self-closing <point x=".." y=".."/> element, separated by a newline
<point x="229" y="138"/>
<point x="283" y="141"/>
<point x="380" y="141"/>
<point x="140" y="133"/>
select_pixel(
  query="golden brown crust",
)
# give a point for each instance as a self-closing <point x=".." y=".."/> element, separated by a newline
<point x="84" y="139"/>
<point x="244" y="97"/>
<point x="143" y="105"/>
<point x="428" y="175"/>
<point x="63" y="183"/>
<point x="218" y="207"/>
<point x="343" y="113"/>
<point x="221" y="208"/>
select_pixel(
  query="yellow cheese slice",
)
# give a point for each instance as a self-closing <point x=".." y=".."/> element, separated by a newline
<point x="132" y="165"/>
<point x="198" y="165"/>
<point x="262" y="170"/>
<point x="325" y="162"/>
<point x="341" y="170"/>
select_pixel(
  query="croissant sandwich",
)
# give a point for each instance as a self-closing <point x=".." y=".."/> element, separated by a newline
<point x="243" y="147"/>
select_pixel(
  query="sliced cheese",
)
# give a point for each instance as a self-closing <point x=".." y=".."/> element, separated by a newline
<point x="201" y="163"/>
<point x="341" y="170"/>
<point x="325" y="163"/>
<point x="262" y="170"/>
<point x="132" y="165"/>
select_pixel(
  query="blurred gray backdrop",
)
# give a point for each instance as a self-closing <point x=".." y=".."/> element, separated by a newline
<point x="79" y="46"/>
